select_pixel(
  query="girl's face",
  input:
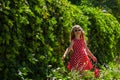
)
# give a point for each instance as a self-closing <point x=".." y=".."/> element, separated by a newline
<point x="77" y="31"/>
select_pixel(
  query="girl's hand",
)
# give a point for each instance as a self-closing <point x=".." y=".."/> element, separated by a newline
<point x="63" y="58"/>
<point x="94" y="59"/>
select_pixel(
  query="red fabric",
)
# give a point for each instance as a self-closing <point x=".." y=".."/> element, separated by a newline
<point x="79" y="59"/>
<point x="97" y="73"/>
<point x="68" y="66"/>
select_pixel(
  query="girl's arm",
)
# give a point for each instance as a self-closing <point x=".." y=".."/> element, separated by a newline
<point x="89" y="53"/>
<point x="68" y="50"/>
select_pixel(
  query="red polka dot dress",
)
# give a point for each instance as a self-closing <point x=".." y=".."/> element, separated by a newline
<point x="79" y="59"/>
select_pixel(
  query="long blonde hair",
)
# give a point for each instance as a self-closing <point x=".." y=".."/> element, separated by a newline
<point x="72" y="35"/>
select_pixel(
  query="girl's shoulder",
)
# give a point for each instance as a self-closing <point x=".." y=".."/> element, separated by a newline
<point x="72" y="41"/>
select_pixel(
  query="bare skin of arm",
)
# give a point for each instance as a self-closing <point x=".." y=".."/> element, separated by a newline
<point x="68" y="50"/>
<point x="90" y="54"/>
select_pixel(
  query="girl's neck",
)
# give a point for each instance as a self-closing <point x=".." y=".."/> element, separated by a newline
<point x="77" y="37"/>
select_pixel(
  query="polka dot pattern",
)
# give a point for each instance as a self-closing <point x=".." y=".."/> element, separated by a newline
<point x="79" y="59"/>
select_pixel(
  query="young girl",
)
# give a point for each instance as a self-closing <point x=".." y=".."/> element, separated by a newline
<point x="79" y="59"/>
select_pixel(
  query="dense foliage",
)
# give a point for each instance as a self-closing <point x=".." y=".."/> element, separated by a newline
<point x="35" y="33"/>
<point x="103" y="34"/>
<point x="112" y="6"/>
<point x="111" y="72"/>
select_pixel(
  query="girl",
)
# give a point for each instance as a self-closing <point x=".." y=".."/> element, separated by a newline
<point x="79" y="59"/>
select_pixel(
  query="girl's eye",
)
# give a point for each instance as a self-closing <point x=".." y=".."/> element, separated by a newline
<point x="75" y="30"/>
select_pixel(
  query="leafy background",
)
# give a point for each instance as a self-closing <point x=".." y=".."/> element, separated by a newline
<point x="35" y="33"/>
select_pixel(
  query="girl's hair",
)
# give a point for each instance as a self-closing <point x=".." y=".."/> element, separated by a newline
<point x="72" y="35"/>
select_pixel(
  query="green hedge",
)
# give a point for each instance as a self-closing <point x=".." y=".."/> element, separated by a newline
<point x="103" y="34"/>
<point x="35" y="33"/>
